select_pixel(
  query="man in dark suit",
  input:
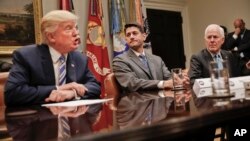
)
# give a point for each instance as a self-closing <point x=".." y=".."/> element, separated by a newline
<point x="199" y="64"/>
<point x="238" y="42"/>
<point x="34" y="77"/>
<point x="138" y="70"/>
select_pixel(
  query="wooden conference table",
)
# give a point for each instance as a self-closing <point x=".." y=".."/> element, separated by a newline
<point x="147" y="115"/>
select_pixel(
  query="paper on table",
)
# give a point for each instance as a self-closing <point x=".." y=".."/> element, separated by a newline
<point x="78" y="102"/>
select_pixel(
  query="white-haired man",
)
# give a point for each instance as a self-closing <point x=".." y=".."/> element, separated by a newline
<point x="199" y="64"/>
<point x="52" y="71"/>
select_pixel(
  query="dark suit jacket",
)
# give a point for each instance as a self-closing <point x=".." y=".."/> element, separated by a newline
<point x="242" y="44"/>
<point x="132" y="74"/>
<point x="199" y="65"/>
<point x="42" y="125"/>
<point x="32" y="78"/>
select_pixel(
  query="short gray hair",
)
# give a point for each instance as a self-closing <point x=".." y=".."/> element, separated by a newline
<point x="51" y="20"/>
<point x="215" y="26"/>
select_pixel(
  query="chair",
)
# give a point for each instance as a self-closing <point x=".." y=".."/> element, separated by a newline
<point x="3" y="78"/>
<point x="220" y="134"/>
<point x="5" y="66"/>
<point x="112" y="90"/>
<point x="3" y="129"/>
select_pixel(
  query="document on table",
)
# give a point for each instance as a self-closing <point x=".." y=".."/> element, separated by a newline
<point x="77" y="102"/>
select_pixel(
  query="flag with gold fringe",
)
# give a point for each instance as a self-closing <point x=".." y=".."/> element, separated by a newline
<point x="137" y="13"/>
<point x="97" y="52"/>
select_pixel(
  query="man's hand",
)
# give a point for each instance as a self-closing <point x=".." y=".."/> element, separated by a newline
<point x="79" y="88"/>
<point x="168" y="83"/>
<point x="68" y="111"/>
<point x="60" y="96"/>
<point x="185" y="81"/>
<point x="248" y="65"/>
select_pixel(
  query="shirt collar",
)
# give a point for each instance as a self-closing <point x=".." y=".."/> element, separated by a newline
<point x="137" y="53"/>
<point x="212" y="54"/>
<point x="55" y="54"/>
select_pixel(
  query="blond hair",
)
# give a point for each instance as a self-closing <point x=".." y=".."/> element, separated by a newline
<point x="51" y="20"/>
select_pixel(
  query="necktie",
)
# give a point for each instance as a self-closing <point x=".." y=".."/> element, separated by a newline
<point x="218" y="60"/>
<point x="63" y="125"/>
<point x="63" y="128"/>
<point x="62" y="70"/>
<point x="144" y="61"/>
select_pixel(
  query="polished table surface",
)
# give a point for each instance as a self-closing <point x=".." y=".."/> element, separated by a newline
<point x="147" y="115"/>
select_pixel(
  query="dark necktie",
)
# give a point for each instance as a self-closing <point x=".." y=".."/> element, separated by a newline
<point x="144" y="61"/>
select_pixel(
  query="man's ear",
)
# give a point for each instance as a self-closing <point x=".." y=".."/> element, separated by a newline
<point x="223" y="40"/>
<point x="144" y="36"/>
<point x="50" y="37"/>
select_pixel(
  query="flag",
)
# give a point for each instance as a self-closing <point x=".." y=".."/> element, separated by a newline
<point x="137" y="13"/>
<point x="138" y="9"/>
<point x="118" y="21"/>
<point x="66" y="5"/>
<point x="147" y="42"/>
<point x="97" y="52"/>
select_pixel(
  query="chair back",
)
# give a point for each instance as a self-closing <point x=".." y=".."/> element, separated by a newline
<point x="3" y="78"/>
<point x="112" y="89"/>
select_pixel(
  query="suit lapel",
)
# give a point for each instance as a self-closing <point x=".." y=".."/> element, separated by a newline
<point x="224" y="55"/>
<point x="71" y="71"/>
<point x="208" y="56"/>
<point x="151" y="66"/>
<point x="47" y="64"/>
<point x="138" y="62"/>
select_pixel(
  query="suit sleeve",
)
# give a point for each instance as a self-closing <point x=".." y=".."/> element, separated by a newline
<point x="93" y="86"/>
<point x="243" y="46"/>
<point x="230" y="42"/>
<point x="85" y="76"/>
<point x="195" y="70"/>
<point x="129" y="79"/>
<point x="18" y="89"/>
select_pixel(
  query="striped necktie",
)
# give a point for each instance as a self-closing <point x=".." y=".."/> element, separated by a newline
<point x="63" y="128"/>
<point x="62" y="70"/>
<point x="63" y="122"/>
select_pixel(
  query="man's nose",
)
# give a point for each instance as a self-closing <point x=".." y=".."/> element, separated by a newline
<point x="131" y="36"/>
<point x="75" y="31"/>
<point x="212" y="39"/>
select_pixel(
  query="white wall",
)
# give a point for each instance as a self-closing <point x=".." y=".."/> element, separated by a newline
<point x="205" y="12"/>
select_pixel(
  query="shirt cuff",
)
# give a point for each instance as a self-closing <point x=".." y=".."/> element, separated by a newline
<point x="160" y="85"/>
<point x="235" y="36"/>
<point x="161" y="93"/>
<point x="235" y="48"/>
